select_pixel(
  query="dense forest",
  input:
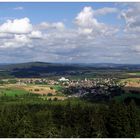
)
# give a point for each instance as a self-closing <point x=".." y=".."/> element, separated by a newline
<point x="68" y="119"/>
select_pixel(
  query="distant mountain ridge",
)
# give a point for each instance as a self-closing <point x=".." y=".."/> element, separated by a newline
<point x="43" y="69"/>
<point x="38" y="63"/>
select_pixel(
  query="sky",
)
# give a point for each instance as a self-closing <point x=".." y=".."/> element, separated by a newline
<point x="70" y="32"/>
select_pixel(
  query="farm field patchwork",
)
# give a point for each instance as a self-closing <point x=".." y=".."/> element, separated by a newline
<point x="45" y="91"/>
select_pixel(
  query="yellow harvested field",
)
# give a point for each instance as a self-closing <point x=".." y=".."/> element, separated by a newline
<point x="132" y="82"/>
<point x="36" y="89"/>
<point x="39" y="89"/>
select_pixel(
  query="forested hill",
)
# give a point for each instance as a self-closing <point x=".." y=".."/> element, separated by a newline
<point x="38" y="69"/>
<point x="42" y="69"/>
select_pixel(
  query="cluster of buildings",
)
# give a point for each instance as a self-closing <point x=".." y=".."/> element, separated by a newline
<point x="73" y="87"/>
<point x="25" y="81"/>
<point x="63" y="81"/>
<point x="78" y="88"/>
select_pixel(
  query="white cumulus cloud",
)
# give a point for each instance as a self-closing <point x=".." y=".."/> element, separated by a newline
<point x="87" y="23"/>
<point x="36" y="34"/>
<point x="16" y="26"/>
<point x="17" y="41"/>
<point x="131" y="16"/>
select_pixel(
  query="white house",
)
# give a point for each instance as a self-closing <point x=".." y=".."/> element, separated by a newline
<point x="63" y="79"/>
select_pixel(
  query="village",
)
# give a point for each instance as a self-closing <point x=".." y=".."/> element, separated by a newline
<point x="69" y="87"/>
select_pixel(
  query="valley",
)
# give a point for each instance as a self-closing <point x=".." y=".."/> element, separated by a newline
<point x="58" y="103"/>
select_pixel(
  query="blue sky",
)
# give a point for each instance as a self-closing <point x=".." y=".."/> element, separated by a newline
<point x="70" y="32"/>
<point x="51" y="11"/>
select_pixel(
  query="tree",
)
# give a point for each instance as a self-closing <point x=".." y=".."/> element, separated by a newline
<point x="101" y="121"/>
<point x="118" y="124"/>
<point x="25" y="129"/>
<point x="133" y="118"/>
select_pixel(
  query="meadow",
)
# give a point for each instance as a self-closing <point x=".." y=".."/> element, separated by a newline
<point x="12" y="92"/>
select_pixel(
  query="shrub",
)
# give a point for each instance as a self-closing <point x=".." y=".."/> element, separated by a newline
<point x="36" y="89"/>
<point x="55" y="99"/>
<point x="49" y="94"/>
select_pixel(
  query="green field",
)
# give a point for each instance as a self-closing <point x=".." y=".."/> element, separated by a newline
<point x="134" y="73"/>
<point x="126" y="95"/>
<point x="57" y="87"/>
<point x="12" y="92"/>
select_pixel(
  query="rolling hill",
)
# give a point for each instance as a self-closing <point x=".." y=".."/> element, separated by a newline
<point x="43" y="69"/>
